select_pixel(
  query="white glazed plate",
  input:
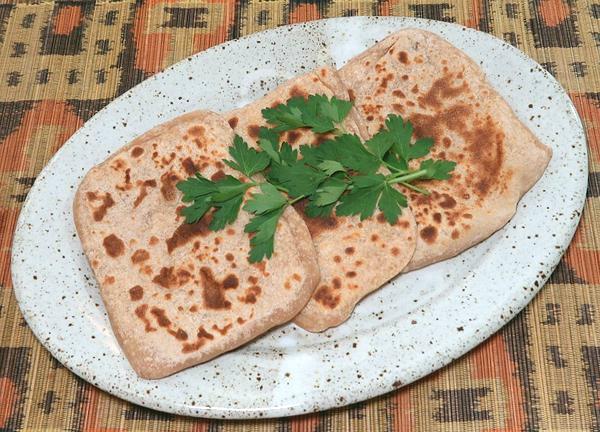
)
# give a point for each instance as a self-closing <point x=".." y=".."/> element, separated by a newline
<point x="412" y="326"/>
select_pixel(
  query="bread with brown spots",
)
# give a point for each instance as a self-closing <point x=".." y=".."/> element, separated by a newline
<point x="178" y="294"/>
<point x="446" y="96"/>
<point x="355" y="258"/>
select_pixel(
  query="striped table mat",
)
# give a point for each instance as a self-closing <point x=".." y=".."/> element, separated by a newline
<point x="62" y="61"/>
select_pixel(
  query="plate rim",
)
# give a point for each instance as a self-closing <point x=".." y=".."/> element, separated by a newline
<point x="375" y="389"/>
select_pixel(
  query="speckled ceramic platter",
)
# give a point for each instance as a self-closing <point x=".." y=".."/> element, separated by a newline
<point x="413" y="326"/>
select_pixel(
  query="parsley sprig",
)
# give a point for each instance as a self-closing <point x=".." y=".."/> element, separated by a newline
<point x="342" y="175"/>
<point x="316" y="112"/>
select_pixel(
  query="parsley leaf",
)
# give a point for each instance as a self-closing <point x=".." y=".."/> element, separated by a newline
<point x="227" y="199"/>
<point x="298" y="179"/>
<point x="359" y="201"/>
<point x="195" y="187"/>
<point x="366" y="181"/>
<point x="329" y="191"/>
<point x="391" y="203"/>
<point x="287" y="154"/>
<point x="269" y="199"/>
<point x="194" y="212"/>
<point x="198" y="190"/>
<point x="392" y="161"/>
<point x="265" y="226"/>
<point x="400" y="133"/>
<point x="313" y="211"/>
<point x="315" y="155"/>
<point x="379" y="144"/>
<point x="335" y="109"/>
<point x="437" y="169"/>
<point x="228" y="187"/>
<point x="313" y="117"/>
<point x="330" y="167"/>
<point x="268" y="140"/>
<point x="362" y="199"/>
<point x="420" y="148"/>
<point x="354" y="156"/>
<point x="227" y="212"/>
<point x="245" y="159"/>
<point x="317" y="112"/>
<point x="346" y="149"/>
<point x="286" y="116"/>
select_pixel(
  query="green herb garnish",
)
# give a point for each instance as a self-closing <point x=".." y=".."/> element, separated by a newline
<point x="246" y="160"/>
<point x="343" y="174"/>
<point x="317" y="112"/>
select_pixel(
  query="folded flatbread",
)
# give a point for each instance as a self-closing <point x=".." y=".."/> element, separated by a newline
<point x="355" y="258"/>
<point x="178" y="294"/>
<point x="446" y="96"/>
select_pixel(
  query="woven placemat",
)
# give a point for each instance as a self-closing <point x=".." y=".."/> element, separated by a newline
<point x="61" y="61"/>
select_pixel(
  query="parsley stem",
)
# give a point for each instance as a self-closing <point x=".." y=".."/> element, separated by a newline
<point x="340" y="130"/>
<point x="395" y="170"/>
<point x="415" y="188"/>
<point x="281" y="188"/>
<point x="295" y="200"/>
<point x="408" y="177"/>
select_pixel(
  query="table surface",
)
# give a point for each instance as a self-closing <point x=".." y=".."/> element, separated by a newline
<point x="62" y="61"/>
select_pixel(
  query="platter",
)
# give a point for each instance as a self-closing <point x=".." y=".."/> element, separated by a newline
<point x="411" y="327"/>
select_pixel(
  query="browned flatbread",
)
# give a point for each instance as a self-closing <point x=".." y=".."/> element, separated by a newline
<point x="445" y="95"/>
<point x="179" y="294"/>
<point x="355" y="258"/>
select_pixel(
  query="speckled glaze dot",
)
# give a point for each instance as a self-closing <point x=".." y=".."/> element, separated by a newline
<point x="416" y="324"/>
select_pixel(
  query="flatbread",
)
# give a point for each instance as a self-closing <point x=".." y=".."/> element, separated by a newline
<point x="355" y="258"/>
<point x="179" y="294"/>
<point x="446" y="96"/>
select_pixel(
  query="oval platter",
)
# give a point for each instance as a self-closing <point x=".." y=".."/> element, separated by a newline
<point x="414" y="325"/>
